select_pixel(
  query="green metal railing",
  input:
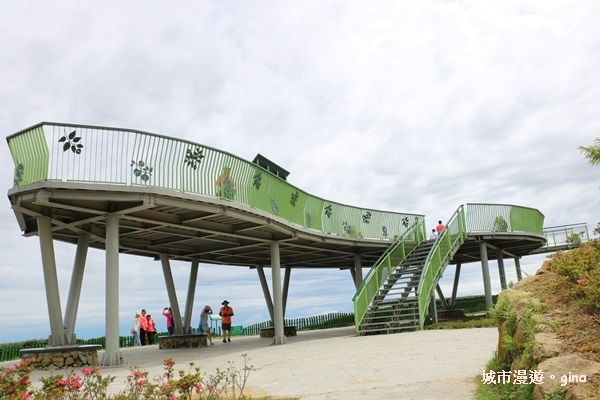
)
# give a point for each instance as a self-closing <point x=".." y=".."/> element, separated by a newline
<point x="83" y="153"/>
<point x="569" y="236"/>
<point x="387" y="263"/>
<point x="453" y="235"/>
<point x="469" y="219"/>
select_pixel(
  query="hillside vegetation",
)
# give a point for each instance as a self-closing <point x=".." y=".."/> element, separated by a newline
<point x="547" y="319"/>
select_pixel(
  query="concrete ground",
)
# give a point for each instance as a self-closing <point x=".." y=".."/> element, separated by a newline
<point x="336" y="364"/>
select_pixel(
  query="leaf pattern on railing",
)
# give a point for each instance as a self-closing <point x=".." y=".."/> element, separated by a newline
<point x="71" y="141"/>
<point x="308" y="220"/>
<point x="274" y="206"/>
<point x="366" y="217"/>
<point x="142" y="171"/>
<point x="193" y="158"/>
<point x="294" y="198"/>
<point x="328" y="210"/>
<point x="405" y="222"/>
<point x="384" y="232"/>
<point x="19" y="170"/>
<point x="256" y="181"/>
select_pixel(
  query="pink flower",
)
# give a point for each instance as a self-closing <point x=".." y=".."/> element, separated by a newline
<point x="580" y="282"/>
<point x="198" y="388"/>
<point x="86" y="371"/>
<point x="141" y="382"/>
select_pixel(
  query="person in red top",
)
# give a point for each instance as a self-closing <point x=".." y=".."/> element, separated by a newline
<point x="143" y="328"/>
<point x="440" y="227"/>
<point x="170" y="322"/>
<point x="226" y="313"/>
<point x="151" y="329"/>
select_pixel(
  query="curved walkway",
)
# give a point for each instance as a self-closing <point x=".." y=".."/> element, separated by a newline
<point x="336" y="364"/>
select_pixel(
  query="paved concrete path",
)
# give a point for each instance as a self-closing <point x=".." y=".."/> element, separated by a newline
<point x="335" y="364"/>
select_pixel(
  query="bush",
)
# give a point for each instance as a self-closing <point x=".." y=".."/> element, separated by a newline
<point x="580" y="267"/>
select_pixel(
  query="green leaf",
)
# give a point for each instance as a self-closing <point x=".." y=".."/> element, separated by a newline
<point x="62" y="139"/>
<point x="72" y="135"/>
<point x="77" y="139"/>
<point x="66" y="146"/>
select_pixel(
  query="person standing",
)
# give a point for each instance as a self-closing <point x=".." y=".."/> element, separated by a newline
<point x="433" y="235"/>
<point x="226" y="313"/>
<point x="143" y="328"/>
<point x="170" y="323"/>
<point x="135" y="330"/>
<point x="440" y="227"/>
<point x="206" y="311"/>
<point x="151" y="329"/>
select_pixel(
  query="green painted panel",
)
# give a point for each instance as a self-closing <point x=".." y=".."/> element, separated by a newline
<point x="30" y="156"/>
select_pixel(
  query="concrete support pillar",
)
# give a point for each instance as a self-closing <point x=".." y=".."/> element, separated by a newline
<point x="173" y="303"/>
<point x="57" y="332"/>
<point x="518" y="268"/>
<point x="279" y="337"/>
<point x="485" y="270"/>
<point x="438" y="289"/>
<point x="189" y="301"/>
<point x="286" y="287"/>
<point x="112" y="354"/>
<point x="455" y="285"/>
<point x="353" y="274"/>
<point x="265" y="289"/>
<point x="433" y="310"/>
<point x="501" y="272"/>
<point x="75" y="289"/>
<point x="358" y="276"/>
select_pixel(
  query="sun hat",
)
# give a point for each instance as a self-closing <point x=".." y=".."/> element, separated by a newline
<point x="224" y="302"/>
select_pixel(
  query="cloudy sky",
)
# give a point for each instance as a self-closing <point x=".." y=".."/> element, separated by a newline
<point x="409" y="106"/>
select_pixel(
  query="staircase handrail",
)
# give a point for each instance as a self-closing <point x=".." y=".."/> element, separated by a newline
<point x="467" y="220"/>
<point x="385" y="265"/>
<point x="441" y="252"/>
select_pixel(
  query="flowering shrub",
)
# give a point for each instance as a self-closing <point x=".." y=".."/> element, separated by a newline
<point x="580" y="267"/>
<point x="91" y="385"/>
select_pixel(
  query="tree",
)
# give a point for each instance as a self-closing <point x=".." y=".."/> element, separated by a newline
<point x="592" y="153"/>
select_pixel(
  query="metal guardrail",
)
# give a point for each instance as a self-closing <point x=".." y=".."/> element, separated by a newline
<point x="84" y="153"/>
<point x="566" y="236"/>
<point x="465" y="220"/>
<point x="386" y="264"/>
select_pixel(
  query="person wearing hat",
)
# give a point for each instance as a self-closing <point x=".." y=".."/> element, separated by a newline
<point x="226" y="313"/>
<point x="135" y="330"/>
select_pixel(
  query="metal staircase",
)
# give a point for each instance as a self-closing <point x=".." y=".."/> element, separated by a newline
<point x="395" y="307"/>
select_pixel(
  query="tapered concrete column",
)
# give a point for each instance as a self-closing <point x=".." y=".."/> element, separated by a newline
<point x="485" y="270"/>
<point x="501" y="272"/>
<point x="265" y="289"/>
<point x="433" y="310"/>
<point x="57" y="332"/>
<point x="357" y="271"/>
<point x="279" y="337"/>
<point x="189" y="301"/>
<point x="518" y="268"/>
<point x="173" y="303"/>
<point x="112" y="354"/>
<point x="455" y="285"/>
<point x="286" y="287"/>
<point x="75" y="288"/>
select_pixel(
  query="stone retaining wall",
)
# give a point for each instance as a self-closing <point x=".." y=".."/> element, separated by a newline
<point x="182" y="341"/>
<point x="51" y="358"/>
<point x="270" y="332"/>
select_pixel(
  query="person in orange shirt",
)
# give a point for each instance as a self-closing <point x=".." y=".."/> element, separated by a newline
<point x="440" y="227"/>
<point x="226" y="313"/>
<point x="151" y="329"/>
<point x="143" y="328"/>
